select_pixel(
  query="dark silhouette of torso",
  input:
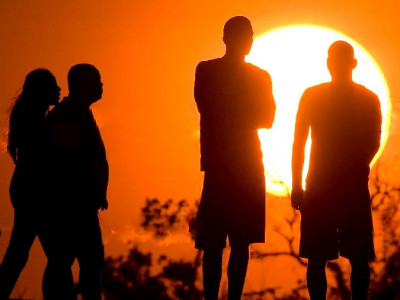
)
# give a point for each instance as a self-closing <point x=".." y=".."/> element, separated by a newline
<point x="78" y="155"/>
<point x="345" y="129"/>
<point x="231" y="99"/>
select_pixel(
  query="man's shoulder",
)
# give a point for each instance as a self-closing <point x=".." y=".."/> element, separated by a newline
<point x="211" y="63"/>
<point x="58" y="113"/>
<point x="64" y="112"/>
<point x="205" y="69"/>
<point x="365" y="92"/>
<point x="319" y="87"/>
<point x="257" y="70"/>
<point x="316" y="90"/>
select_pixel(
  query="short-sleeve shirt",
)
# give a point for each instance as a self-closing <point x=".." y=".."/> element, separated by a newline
<point x="78" y="153"/>
<point x="233" y="99"/>
<point x="345" y="124"/>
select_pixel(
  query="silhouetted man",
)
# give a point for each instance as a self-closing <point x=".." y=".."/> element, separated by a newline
<point x="80" y="185"/>
<point x="234" y="99"/>
<point x="345" y="122"/>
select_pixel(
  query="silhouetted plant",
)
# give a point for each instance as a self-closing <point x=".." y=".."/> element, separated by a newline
<point x="164" y="218"/>
<point x="130" y="277"/>
<point x="183" y="276"/>
<point x="385" y="282"/>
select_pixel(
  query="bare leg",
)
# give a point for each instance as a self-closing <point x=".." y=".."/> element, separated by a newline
<point x="237" y="269"/>
<point x="58" y="282"/>
<point x="360" y="278"/>
<point x="58" y="277"/>
<point x="212" y="270"/>
<point x="16" y="257"/>
<point x="90" y="255"/>
<point x="316" y="279"/>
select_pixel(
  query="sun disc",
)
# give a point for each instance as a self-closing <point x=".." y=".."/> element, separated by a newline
<point x="295" y="56"/>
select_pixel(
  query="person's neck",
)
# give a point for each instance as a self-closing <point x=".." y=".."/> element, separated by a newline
<point x="79" y="101"/>
<point x="343" y="80"/>
<point x="234" y="56"/>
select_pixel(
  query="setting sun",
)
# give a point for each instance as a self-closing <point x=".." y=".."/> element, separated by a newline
<point x="295" y="56"/>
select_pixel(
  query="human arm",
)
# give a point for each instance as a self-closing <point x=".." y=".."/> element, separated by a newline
<point x="268" y="107"/>
<point x="99" y="162"/>
<point x="200" y="86"/>
<point x="103" y="183"/>
<point x="366" y="133"/>
<point x="374" y="129"/>
<point x="300" y="138"/>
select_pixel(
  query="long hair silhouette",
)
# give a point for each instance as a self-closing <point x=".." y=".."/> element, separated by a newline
<point x="38" y="92"/>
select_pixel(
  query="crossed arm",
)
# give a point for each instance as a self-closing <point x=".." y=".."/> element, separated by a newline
<point x="268" y="107"/>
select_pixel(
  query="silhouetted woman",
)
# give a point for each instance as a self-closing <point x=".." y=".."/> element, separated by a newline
<point x="28" y="140"/>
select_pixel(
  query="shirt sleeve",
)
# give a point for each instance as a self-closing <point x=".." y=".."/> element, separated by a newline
<point x="200" y="86"/>
<point x="301" y="132"/>
<point x="268" y="107"/>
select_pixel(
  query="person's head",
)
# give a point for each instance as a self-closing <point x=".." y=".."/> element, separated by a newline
<point x="341" y="61"/>
<point x="40" y="89"/>
<point x="238" y="35"/>
<point x="84" y="83"/>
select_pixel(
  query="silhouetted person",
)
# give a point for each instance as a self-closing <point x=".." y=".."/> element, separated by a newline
<point x="234" y="99"/>
<point x="80" y="183"/>
<point x="28" y="141"/>
<point x="345" y="122"/>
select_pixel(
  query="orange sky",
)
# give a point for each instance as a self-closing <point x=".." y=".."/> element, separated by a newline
<point x="147" y="53"/>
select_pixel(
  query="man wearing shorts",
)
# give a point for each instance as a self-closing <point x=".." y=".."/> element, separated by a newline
<point x="345" y="122"/>
<point x="234" y="99"/>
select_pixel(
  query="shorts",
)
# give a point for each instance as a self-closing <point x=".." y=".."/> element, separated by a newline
<point x="217" y="239"/>
<point x="339" y="223"/>
<point x="232" y="205"/>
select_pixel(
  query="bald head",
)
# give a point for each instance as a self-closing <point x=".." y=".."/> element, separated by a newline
<point x="84" y="82"/>
<point x="238" y="35"/>
<point x="341" y="61"/>
<point x="341" y="50"/>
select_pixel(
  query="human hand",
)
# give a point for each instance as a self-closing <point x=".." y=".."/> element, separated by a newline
<point x="297" y="198"/>
<point x="103" y="205"/>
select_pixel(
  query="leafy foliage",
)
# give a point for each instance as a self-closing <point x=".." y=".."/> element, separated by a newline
<point x="130" y="277"/>
<point x="164" y="218"/>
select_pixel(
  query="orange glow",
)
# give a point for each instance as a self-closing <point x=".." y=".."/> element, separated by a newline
<point x="147" y="54"/>
<point x="296" y="56"/>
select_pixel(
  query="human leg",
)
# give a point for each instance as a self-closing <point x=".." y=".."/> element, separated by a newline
<point x="356" y="238"/>
<point x="210" y="234"/>
<point x="16" y="257"/>
<point x="212" y="271"/>
<point x="57" y="242"/>
<point x="58" y="278"/>
<point x="58" y="282"/>
<point x="237" y="268"/>
<point x="90" y="255"/>
<point x="360" y="278"/>
<point x="318" y="238"/>
<point x="316" y="278"/>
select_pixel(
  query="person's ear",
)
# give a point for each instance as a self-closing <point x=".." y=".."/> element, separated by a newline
<point x="355" y="62"/>
<point x="224" y="39"/>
